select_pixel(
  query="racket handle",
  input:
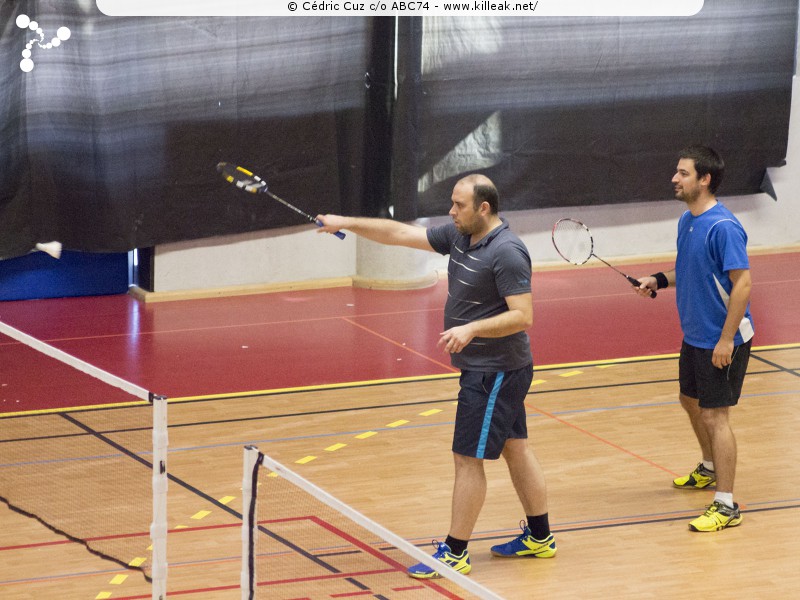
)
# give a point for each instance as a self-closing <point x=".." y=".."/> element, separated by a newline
<point x="637" y="283"/>
<point x="338" y="234"/>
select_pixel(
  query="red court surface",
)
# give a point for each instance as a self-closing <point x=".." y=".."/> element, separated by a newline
<point x="241" y="344"/>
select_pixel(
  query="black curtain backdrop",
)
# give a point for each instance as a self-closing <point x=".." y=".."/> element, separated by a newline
<point x="582" y="111"/>
<point x="109" y="143"/>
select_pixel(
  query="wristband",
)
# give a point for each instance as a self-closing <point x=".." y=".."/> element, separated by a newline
<point x="661" y="280"/>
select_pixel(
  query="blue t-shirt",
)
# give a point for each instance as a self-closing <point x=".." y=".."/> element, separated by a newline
<point x="479" y="279"/>
<point x="709" y="246"/>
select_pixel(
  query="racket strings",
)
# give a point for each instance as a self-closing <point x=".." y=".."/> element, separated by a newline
<point x="250" y="185"/>
<point x="242" y="178"/>
<point x="573" y="241"/>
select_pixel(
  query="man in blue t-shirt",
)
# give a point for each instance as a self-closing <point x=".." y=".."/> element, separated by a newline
<point x="488" y="310"/>
<point x="712" y="283"/>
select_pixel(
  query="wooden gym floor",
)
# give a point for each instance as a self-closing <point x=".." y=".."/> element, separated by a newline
<point x="347" y="388"/>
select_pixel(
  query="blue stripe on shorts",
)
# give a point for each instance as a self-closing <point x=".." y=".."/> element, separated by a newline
<point x="487" y="418"/>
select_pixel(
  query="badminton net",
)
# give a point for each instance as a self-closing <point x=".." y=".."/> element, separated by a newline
<point x="85" y="473"/>
<point x="298" y="541"/>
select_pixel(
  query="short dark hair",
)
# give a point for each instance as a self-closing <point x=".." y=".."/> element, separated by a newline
<point x="706" y="161"/>
<point x="486" y="193"/>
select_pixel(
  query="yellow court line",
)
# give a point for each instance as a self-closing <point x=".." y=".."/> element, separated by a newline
<point x="441" y="376"/>
<point x="55" y="411"/>
<point x="366" y="434"/>
<point x="367" y="383"/>
<point x="775" y="347"/>
<point x="430" y="412"/>
<point x="571" y="373"/>
<point x="610" y="361"/>
<point x="315" y="388"/>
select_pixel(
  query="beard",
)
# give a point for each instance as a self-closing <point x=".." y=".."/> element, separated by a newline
<point x="683" y="195"/>
<point x="468" y="227"/>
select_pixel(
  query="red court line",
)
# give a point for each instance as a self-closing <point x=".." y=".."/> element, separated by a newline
<point x="394" y="565"/>
<point x="201" y="349"/>
<point x="391" y="341"/>
<point x="220" y="588"/>
<point x="118" y="536"/>
<point x="230" y="326"/>
<point x="328" y="577"/>
<point x="601" y="439"/>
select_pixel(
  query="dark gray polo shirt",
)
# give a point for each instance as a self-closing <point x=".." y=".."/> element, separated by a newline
<point x="479" y="278"/>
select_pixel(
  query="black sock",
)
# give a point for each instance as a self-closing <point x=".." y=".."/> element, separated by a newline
<point x="457" y="546"/>
<point x="539" y="526"/>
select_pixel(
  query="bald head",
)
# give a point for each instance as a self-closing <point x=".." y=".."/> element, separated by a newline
<point x="483" y="190"/>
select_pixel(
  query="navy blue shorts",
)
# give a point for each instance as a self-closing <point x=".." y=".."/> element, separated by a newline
<point x="713" y="387"/>
<point x="491" y="409"/>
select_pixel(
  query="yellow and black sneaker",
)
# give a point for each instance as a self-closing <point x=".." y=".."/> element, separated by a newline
<point x="444" y="555"/>
<point x="717" y="516"/>
<point x="698" y="479"/>
<point x="526" y="545"/>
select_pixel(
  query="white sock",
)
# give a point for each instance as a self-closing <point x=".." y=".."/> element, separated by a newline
<point x="709" y="464"/>
<point x="725" y="497"/>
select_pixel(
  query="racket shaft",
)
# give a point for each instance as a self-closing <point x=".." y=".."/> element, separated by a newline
<point x="632" y="280"/>
<point x="254" y="184"/>
<point x="292" y="206"/>
<point x="338" y="234"/>
<point x="573" y="241"/>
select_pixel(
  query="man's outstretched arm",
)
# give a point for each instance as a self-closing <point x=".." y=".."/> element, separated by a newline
<point x="383" y="231"/>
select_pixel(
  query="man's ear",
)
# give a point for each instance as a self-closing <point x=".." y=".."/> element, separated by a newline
<point x="705" y="180"/>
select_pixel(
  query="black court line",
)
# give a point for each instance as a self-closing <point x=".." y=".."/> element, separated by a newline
<point x="623" y="523"/>
<point x="781" y="368"/>
<point x="199" y="493"/>
<point x="367" y="384"/>
<point x="538" y="392"/>
<point x="102" y="436"/>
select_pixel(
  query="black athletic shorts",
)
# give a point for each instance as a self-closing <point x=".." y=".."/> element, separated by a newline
<point x="713" y="387"/>
<point x="491" y="409"/>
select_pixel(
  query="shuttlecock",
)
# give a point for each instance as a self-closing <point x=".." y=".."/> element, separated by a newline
<point x="51" y="248"/>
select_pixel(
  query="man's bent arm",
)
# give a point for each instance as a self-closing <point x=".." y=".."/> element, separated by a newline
<point x="737" y="305"/>
<point x="518" y="317"/>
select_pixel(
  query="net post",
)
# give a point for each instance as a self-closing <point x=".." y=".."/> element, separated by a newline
<point x="252" y="461"/>
<point x="401" y="544"/>
<point x="158" y="528"/>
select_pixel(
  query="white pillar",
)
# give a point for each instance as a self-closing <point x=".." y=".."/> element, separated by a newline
<point x="392" y="267"/>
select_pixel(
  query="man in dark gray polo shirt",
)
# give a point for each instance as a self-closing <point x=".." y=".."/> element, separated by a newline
<point x="489" y="308"/>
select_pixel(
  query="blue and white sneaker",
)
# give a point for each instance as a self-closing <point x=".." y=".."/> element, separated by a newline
<point x="525" y="545"/>
<point x="444" y="555"/>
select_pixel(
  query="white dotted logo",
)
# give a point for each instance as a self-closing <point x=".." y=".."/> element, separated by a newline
<point x="24" y="22"/>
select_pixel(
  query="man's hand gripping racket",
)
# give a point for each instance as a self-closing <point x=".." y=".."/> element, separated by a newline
<point x="250" y="182"/>
<point x="573" y="241"/>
